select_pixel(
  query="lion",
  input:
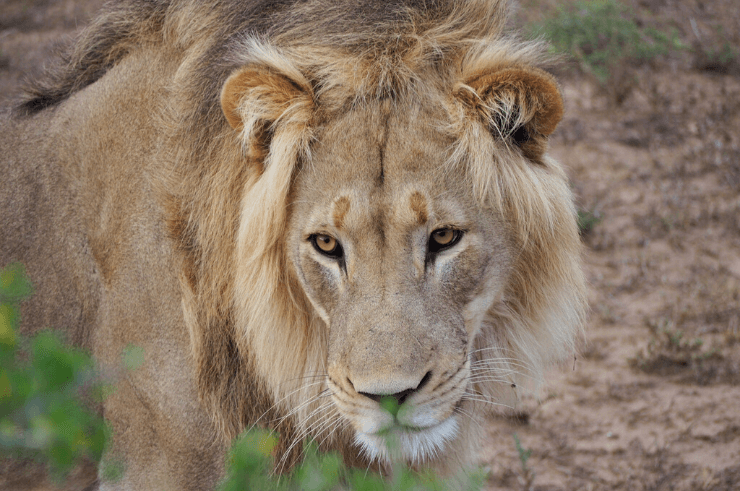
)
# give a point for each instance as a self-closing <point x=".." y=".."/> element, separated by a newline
<point x="299" y="210"/>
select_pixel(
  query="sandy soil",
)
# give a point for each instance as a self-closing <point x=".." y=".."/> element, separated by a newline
<point x="653" y="400"/>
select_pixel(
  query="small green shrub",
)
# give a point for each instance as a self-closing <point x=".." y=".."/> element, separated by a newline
<point x="250" y="464"/>
<point x="528" y="475"/>
<point x="41" y="384"/>
<point x="721" y="56"/>
<point x="670" y="352"/>
<point x="718" y="55"/>
<point x="601" y="34"/>
<point x="587" y="221"/>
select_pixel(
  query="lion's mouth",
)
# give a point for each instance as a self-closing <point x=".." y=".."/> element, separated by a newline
<point x="409" y="443"/>
<point x="401" y="428"/>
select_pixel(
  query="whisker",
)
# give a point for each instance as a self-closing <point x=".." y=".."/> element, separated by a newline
<point x="300" y="437"/>
<point x="519" y="388"/>
<point x="497" y="372"/>
<point x="303" y="387"/>
<point x="504" y="378"/>
<point x="335" y="419"/>
<point x="502" y="361"/>
<point x="304" y="377"/>
<point x="317" y="398"/>
<point x="469" y="416"/>
<point x="327" y="423"/>
<point x="499" y="351"/>
<point x="483" y="378"/>
<point x="315" y="430"/>
<point x="497" y="375"/>
<point x="295" y="410"/>
<point x="470" y="397"/>
<point x="498" y="348"/>
<point x="502" y="371"/>
<point x="498" y="359"/>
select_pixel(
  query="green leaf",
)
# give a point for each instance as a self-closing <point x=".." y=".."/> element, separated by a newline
<point x="5" y="388"/>
<point x="390" y="404"/>
<point x="14" y="285"/>
<point x="41" y="415"/>
<point x="8" y="321"/>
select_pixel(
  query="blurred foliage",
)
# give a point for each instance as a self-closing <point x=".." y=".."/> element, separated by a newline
<point x="669" y="348"/>
<point x="587" y="221"/>
<point x="42" y="382"/>
<point x="528" y="475"/>
<point x="250" y="465"/>
<point x="718" y="54"/>
<point x="602" y="34"/>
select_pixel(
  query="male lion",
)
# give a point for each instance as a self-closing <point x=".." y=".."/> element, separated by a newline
<point x="297" y="208"/>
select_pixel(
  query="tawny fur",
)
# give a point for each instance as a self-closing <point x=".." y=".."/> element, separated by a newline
<point x="174" y="147"/>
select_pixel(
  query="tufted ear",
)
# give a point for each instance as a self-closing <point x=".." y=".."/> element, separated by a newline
<point x="520" y="105"/>
<point x="257" y="99"/>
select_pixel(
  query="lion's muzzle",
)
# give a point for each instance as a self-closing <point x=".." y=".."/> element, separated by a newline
<point x="403" y="406"/>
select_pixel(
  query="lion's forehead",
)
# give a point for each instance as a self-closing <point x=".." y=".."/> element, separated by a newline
<point x="382" y="168"/>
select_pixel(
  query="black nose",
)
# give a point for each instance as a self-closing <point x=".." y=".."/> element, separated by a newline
<point x="400" y="397"/>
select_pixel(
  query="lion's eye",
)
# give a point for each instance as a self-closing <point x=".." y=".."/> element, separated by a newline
<point x="443" y="238"/>
<point x="327" y="245"/>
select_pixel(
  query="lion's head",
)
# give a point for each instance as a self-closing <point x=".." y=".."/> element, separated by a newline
<point x="405" y="234"/>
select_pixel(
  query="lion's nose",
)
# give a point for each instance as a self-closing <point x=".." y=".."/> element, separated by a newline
<point x="400" y="396"/>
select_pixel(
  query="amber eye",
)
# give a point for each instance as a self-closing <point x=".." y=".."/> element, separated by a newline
<point x="327" y="245"/>
<point x="443" y="238"/>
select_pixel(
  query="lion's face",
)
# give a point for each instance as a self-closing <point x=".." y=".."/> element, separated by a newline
<point x="423" y="248"/>
<point x="402" y="263"/>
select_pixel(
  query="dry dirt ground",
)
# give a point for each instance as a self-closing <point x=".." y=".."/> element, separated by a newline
<point x="653" y="400"/>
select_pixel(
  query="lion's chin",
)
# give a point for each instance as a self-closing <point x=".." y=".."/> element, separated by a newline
<point x="413" y="445"/>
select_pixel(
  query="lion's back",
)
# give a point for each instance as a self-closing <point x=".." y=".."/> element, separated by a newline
<point x="77" y="196"/>
<point x="80" y="208"/>
<point x="37" y="228"/>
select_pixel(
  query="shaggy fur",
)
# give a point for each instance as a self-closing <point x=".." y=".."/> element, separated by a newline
<point x="177" y="148"/>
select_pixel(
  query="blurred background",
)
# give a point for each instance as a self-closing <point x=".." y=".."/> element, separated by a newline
<point x="651" y="141"/>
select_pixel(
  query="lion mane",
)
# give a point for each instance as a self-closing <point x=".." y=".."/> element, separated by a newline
<point x="224" y="162"/>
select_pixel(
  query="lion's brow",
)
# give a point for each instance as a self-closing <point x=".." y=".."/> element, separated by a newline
<point x="418" y="204"/>
<point x="340" y="209"/>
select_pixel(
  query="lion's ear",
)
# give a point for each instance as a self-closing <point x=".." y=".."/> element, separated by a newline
<point x="256" y="99"/>
<point x="520" y="105"/>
